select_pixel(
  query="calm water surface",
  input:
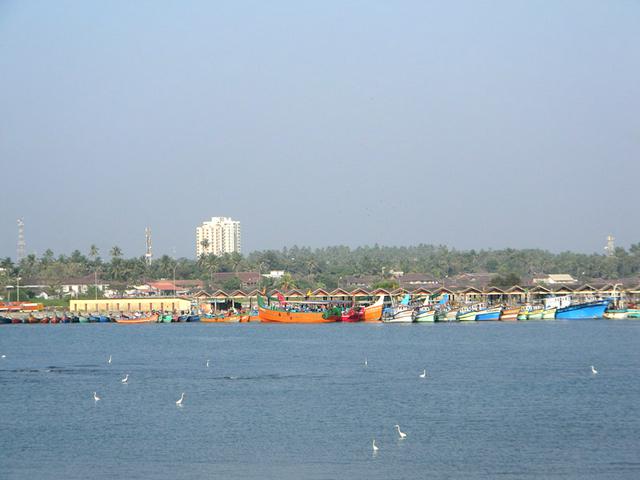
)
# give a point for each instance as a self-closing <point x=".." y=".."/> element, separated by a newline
<point x="509" y="401"/>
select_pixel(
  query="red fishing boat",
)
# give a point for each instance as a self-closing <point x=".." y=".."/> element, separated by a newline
<point x="353" y="314"/>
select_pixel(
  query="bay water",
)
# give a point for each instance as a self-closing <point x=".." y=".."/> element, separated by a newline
<point x="500" y="400"/>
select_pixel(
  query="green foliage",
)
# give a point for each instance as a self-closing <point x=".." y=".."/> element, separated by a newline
<point x="505" y="281"/>
<point x="386" y="284"/>
<point x="231" y="284"/>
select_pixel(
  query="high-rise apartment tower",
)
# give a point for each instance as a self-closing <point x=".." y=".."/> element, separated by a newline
<point x="220" y="235"/>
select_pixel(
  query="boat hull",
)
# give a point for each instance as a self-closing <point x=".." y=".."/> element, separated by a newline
<point x="426" y="316"/>
<point x="492" y="314"/>
<point x="150" y="319"/>
<point x="510" y="314"/>
<point x="467" y="316"/>
<point x="283" y="316"/>
<point x="404" y="315"/>
<point x="373" y="312"/>
<point x="549" y="313"/>
<point x="583" y="310"/>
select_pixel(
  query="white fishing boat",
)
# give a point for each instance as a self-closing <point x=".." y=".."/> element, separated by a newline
<point x="403" y="312"/>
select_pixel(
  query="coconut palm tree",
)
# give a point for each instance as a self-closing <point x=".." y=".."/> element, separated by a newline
<point x="94" y="252"/>
<point x="115" y="252"/>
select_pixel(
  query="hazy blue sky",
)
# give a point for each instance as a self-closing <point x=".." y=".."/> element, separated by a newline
<point x="472" y="124"/>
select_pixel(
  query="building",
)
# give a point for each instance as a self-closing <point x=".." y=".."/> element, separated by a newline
<point x="556" y="279"/>
<point x="245" y="279"/>
<point x="220" y="235"/>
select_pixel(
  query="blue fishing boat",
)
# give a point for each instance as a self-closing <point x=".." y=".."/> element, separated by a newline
<point x="593" y="309"/>
<point x="489" y="314"/>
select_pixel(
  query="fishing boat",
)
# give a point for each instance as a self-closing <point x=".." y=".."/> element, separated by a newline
<point x="373" y="312"/>
<point x="467" y="314"/>
<point x="426" y="312"/>
<point x="489" y="314"/>
<point x="353" y="314"/>
<point x="149" y="319"/>
<point x="616" y="314"/>
<point x="633" y="312"/>
<point x="536" y="313"/>
<point x="426" y="315"/>
<point x="549" y="313"/>
<point x="450" y="315"/>
<point x="510" y="314"/>
<point x="567" y="310"/>
<point x="403" y="312"/>
<point x="301" y="312"/>
<point x="224" y="318"/>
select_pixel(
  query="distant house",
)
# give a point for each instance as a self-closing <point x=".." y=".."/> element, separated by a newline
<point x="165" y="288"/>
<point x="248" y="280"/>
<point x="556" y="279"/>
<point x="80" y="285"/>
<point x="358" y="281"/>
<point x="474" y="279"/>
<point x="274" y="274"/>
<point x="414" y="280"/>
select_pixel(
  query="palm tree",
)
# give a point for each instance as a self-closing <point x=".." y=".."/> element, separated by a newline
<point x="236" y="260"/>
<point x="115" y="252"/>
<point x="204" y="243"/>
<point x="94" y="252"/>
<point x="209" y="262"/>
<point x="287" y="282"/>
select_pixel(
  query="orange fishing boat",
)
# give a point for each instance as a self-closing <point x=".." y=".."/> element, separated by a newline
<point x="373" y="313"/>
<point x="272" y="314"/>
<point x="223" y="319"/>
<point x="510" y="314"/>
<point x="149" y="319"/>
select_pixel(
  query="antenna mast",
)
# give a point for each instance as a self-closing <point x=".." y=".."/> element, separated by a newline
<point x="22" y="245"/>
<point x="148" y="253"/>
<point x="610" y="249"/>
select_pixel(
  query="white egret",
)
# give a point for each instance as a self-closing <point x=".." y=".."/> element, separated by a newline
<point x="423" y="374"/>
<point x="373" y="444"/>
<point x="179" y="402"/>
<point x="95" y="396"/>
<point x="402" y="434"/>
<point x="109" y="361"/>
<point x="125" y="379"/>
<point x="593" y="370"/>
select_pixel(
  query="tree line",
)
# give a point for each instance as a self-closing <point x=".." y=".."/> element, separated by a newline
<point x="326" y="267"/>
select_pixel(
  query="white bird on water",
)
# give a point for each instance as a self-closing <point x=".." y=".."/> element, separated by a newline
<point x="593" y="370"/>
<point x="373" y="445"/>
<point x="125" y="379"/>
<point x="207" y="363"/>
<point x="402" y="434"/>
<point x="179" y="402"/>
<point x="109" y="361"/>
<point x="365" y="364"/>
<point x="4" y="356"/>
<point x="95" y="396"/>
<point x="423" y="374"/>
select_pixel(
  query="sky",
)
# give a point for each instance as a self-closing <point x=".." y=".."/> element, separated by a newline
<point x="465" y="123"/>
